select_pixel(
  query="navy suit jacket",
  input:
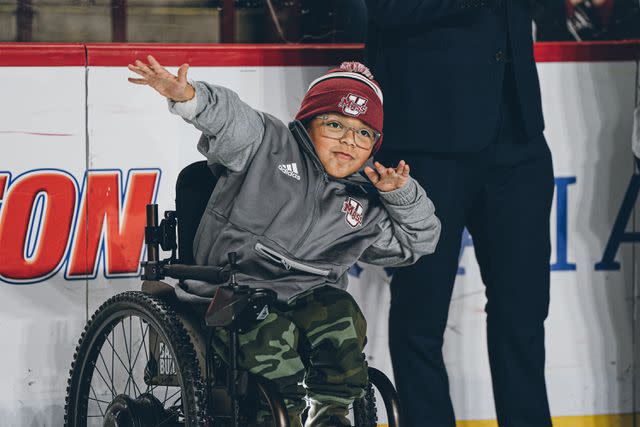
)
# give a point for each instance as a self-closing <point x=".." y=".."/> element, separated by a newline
<point x="441" y="65"/>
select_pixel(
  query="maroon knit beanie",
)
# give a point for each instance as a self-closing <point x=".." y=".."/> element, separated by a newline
<point x="349" y="90"/>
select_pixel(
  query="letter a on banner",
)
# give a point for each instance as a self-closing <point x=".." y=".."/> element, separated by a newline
<point x="111" y="222"/>
<point x="618" y="234"/>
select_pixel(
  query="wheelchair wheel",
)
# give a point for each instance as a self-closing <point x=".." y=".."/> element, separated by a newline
<point x="364" y="409"/>
<point x="135" y="365"/>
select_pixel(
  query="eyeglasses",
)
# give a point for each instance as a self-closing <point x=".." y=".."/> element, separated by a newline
<point x="333" y="128"/>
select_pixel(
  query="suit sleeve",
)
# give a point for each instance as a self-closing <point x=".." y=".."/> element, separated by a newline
<point x="410" y="230"/>
<point x="389" y="14"/>
<point x="231" y="130"/>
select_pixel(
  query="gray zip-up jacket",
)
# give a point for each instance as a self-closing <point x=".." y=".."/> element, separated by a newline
<point x="293" y="227"/>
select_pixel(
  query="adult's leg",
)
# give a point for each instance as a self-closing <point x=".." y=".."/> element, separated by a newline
<point x="420" y="294"/>
<point x="335" y="331"/>
<point x="510" y="229"/>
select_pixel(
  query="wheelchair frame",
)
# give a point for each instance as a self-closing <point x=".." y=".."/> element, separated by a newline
<point x="234" y="308"/>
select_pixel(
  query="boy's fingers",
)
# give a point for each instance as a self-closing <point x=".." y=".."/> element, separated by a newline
<point x="155" y="64"/>
<point x="143" y="67"/>
<point x="137" y="70"/>
<point x="371" y="174"/>
<point x="182" y="73"/>
<point x="400" y="166"/>
<point x="406" y="170"/>
<point x="381" y="169"/>
<point x="138" y="81"/>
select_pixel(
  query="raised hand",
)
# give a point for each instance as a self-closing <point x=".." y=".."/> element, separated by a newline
<point x="388" y="179"/>
<point x="166" y="84"/>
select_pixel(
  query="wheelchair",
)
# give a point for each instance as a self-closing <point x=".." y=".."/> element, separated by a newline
<point x="146" y="359"/>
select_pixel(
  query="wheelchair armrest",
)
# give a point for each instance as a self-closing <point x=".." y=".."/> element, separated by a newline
<point x="216" y="275"/>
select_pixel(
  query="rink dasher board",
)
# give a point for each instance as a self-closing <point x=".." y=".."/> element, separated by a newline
<point x="77" y="122"/>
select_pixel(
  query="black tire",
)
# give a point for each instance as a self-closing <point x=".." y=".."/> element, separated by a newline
<point x="151" y="312"/>
<point x="364" y="409"/>
<point x="389" y="396"/>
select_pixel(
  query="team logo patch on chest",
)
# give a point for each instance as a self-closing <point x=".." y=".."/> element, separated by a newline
<point x="354" y="212"/>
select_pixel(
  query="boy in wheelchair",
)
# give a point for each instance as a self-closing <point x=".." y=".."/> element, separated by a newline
<point x="300" y="204"/>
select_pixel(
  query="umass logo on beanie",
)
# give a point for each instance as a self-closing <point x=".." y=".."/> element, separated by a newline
<point x="353" y="105"/>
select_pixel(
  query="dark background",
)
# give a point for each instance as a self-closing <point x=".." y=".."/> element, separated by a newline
<point x="270" y="21"/>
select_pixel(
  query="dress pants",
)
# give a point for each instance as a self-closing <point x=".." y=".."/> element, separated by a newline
<point x="503" y="195"/>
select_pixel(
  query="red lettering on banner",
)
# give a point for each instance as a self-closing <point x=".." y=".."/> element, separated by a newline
<point x="110" y="225"/>
<point x="4" y="179"/>
<point x="18" y="222"/>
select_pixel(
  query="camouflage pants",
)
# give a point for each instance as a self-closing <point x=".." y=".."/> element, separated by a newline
<point x="312" y="351"/>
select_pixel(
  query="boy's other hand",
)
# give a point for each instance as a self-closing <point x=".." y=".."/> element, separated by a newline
<point x="388" y="179"/>
<point x="176" y="88"/>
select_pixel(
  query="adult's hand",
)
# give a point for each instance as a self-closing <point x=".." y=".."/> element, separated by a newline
<point x="176" y="88"/>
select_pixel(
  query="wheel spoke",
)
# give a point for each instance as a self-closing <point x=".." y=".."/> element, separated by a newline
<point x="129" y="349"/>
<point x="126" y="349"/>
<point x="95" y="368"/>
<point x="113" y="368"/>
<point x="113" y="387"/>
<point x="144" y="334"/>
<point x="169" y="398"/>
<point x="122" y="363"/>
<point x="97" y="400"/>
<point x="144" y="343"/>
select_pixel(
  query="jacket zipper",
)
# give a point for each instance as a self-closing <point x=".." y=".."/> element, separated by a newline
<point x="289" y="263"/>
<point x="307" y="146"/>
<point x="313" y="220"/>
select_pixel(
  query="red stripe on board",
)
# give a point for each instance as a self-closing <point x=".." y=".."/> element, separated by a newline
<point x="42" y="55"/>
<point x="225" y="55"/>
<point x="221" y="55"/>
<point x="623" y="50"/>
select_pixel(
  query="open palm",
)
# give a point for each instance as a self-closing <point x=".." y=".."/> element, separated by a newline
<point x="166" y="84"/>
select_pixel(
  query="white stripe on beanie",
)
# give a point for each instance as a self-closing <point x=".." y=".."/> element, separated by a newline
<point x="349" y="75"/>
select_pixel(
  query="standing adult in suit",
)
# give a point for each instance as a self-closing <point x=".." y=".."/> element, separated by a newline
<point x="462" y="102"/>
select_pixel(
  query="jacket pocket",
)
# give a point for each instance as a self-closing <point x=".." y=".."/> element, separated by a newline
<point x="289" y="263"/>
